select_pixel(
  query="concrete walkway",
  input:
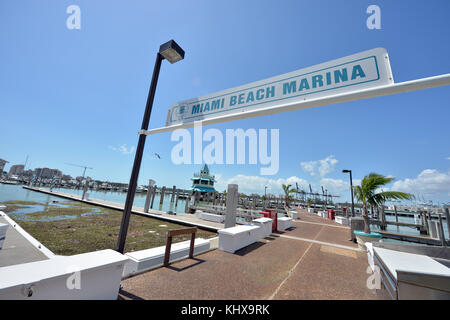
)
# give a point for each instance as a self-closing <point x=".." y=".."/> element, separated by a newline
<point x="180" y="218"/>
<point x="17" y="249"/>
<point x="310" y="261"/>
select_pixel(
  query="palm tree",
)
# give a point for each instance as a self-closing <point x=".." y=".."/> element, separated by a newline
<point x="367" y="194"/>
<point x="287" y="192"/>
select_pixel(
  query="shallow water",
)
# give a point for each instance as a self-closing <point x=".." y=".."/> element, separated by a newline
<point x="120" y="197"/>
<point x="16" y="192"/>
<point x="46" y="203"/>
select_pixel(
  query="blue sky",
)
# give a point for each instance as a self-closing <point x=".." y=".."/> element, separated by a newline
<point x="77" y="96"/>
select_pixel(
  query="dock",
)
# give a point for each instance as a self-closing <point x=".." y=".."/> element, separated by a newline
<point x="17" y="248"/>
<point x="411" y="238"/>
<point x="180" y="218"/>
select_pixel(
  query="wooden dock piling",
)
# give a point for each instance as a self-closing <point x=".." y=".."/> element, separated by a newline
<point x="153" y="195"/>
<point x="396" y="216"/>
<point x="161" y="199"/>
<point x="447" y="218"/>
<point x="383" y="217"/>
<point x="173" y="194"/>
<point x="176" y="197"/>
<point x="147" y="198"/>
<point x="441" y="232"/>
<point x="427" y="228"/>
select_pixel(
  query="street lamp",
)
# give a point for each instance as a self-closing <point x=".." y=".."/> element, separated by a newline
<point x="351" y="189"/>
<point x="172" y="52"/>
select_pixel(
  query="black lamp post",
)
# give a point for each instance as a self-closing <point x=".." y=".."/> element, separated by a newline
<point x="172" y="52"/>
<point x="351" y="189"/>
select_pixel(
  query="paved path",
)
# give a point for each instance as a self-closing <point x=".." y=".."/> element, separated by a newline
<point x="17" y="249"/>
<point x="311" y="261"/>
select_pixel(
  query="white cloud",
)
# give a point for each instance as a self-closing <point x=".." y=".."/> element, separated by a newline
<point x="122" y="149"/>
<point x="335" y="186"/>
<point x="256" y="184"/>
<point x="430" y="183"/>
<point x="320" y="167"/>
<point x="448" y="158"/>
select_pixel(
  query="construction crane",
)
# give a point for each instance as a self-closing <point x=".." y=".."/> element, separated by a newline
<point x="77" y="165"/>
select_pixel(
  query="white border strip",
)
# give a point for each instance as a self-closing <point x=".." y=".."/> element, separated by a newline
<point x="39" y="246"/>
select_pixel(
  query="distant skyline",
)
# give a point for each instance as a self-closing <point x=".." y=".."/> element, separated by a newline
<point x="78" y="96"/>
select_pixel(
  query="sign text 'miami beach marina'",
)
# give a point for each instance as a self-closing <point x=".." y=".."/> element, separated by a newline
<point x="360" y="76"/>
<point x="363" y="70"/>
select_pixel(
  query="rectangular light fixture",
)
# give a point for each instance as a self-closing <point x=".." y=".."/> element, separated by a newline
<point x="171" y="51"/>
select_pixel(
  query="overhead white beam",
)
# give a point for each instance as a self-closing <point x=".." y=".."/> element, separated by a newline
<point x="413" y="85"/>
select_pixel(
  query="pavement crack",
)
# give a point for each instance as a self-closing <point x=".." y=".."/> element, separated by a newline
<point x="290" y="273"/>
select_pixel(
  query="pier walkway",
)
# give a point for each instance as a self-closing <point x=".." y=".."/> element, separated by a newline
<point x="180" y="218"/>
<point x="313" y="260"/>
<point x="17" y="249"/>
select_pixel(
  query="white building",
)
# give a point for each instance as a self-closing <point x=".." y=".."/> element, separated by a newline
<point x="16" y="170"/>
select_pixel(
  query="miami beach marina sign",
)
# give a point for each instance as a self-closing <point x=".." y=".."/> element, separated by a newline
<point x="359" y="76"/>
<point x="362" y="70"/>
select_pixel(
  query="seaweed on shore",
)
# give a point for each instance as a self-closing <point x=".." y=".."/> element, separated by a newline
<point x="83" y="228"/>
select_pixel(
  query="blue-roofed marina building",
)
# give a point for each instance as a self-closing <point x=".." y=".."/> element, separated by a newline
<point x="203" y="182"/>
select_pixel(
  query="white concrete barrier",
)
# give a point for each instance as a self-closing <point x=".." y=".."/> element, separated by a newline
<point x="210" y="216"/>
<point x="235" y="238"/>
<point x="3" y="229"/>
<point x="266" y="226"/>
<point x="341" y="220"/>
<point x="284" y="223"/>
<point x="294" y="214"/>
<point x="144" y="260"/>
<point x="93" y="275"/>
<point x="310" y="210"/>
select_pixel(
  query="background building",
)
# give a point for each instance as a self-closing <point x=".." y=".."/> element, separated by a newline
<point x="2" y="165"/>
<point x="203" y="181"/>
<point x="46" y="173"/>
<point x="16" y="170"/>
